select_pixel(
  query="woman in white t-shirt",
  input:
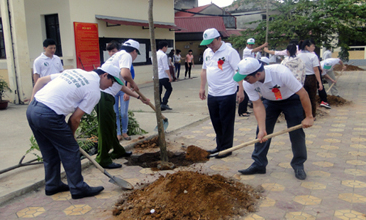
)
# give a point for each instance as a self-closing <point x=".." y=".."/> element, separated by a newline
<point x="312" y="79"/>
<point x="177" y="58"/>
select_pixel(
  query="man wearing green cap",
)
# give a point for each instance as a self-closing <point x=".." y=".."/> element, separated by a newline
<point x="281" y="92"/>
<point x="219" y="65"/>
<point x="327" y="67"/>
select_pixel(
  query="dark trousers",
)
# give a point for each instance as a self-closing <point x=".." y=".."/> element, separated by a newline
<point x="222" y="114"/>
<point x="322" y="93"/>
<point x="172" y="72"/>
<point x="188" y="69"/>
<point x="310" y="85"/>
<point x="168" y="87"/>
<point x="243" y="106"/>
<point x="294" y="115"/>
<point x="57" y="144"/>
<point x="177" y="69"/>
<point x="107" y="135"/>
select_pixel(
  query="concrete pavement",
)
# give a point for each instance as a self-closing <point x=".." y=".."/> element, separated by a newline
<point x="336" y="165"/>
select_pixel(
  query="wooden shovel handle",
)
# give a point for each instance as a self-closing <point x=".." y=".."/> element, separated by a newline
<point x="150" y="104"/>
<point x="91" y="160"/>
<point x="257" y="140"/>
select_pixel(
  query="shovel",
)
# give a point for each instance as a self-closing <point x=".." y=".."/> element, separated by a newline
<point x="115" y="180"/>
<point x="255" y="141"/>
<point x="165" y="120"/>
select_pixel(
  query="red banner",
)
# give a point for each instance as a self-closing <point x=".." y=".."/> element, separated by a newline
<point x="87" y="45"/>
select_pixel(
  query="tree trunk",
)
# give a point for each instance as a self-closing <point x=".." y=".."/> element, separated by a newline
<point x="162" y="143"/>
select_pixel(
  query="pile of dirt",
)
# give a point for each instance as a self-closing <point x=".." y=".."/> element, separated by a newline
<point x="152" y="143"/>
<point x="189" y="195"/>
<point x="334" y="100"/>
<point x="152" y="160"/>
<point x="349" y="68"/>
<point x="196" y="154"/>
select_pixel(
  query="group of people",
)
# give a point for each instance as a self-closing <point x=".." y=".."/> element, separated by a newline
<point x="58" y="93"/>
<point x="289" y="88"/>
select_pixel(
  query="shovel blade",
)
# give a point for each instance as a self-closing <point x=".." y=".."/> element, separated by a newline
<point x="165" y="124"/>
<point x="120" y="182"/>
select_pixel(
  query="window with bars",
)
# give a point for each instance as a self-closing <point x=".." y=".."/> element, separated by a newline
<point x="53" y="31"/>
<point x="2" y="43"/>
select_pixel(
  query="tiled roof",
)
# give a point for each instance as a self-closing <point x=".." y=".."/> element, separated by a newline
<point x="186" y="14"/>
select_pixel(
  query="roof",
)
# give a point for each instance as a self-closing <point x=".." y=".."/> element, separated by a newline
<point x="135" y="22"/>
<point x="199" y="24"/>
<point x="186" y="14"/>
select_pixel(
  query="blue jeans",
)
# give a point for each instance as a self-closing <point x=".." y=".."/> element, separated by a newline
<point x="294" y="114"/>
<point x="122" y="116"/>
<point x="177" y="69"/>
<point x="57" y="144"/>
<point x="222" y="114"/>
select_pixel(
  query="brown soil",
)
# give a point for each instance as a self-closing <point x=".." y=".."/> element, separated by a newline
<point x="189" y="195"/>
<point x="152" y="160"/>
<point x="334" y="100"/>
<point x="349" y="68"/>
<point x="152" y="143"/>
<point x="196" y="154"/>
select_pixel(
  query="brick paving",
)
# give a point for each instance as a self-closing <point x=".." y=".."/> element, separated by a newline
<point x="335" y="187"/>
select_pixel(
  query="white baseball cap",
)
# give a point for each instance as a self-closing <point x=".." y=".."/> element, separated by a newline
<point x="113" y="71"/>
<point x="250" y="41"/>
<point x="265" y="60"/>
<point x="327" y="65"/>
<point x="247" y="67"/>
<point x="130" y="45"/>
<point x="209" y="35"/>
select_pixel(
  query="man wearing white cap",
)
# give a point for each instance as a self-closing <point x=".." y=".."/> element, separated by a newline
<point x="54" y="97"/>
<point x="281" y="92"/>
<point x="219" y="65"/>
<point x="250" y="51"/>
<point x="327" y="67"/>
<point x="107" y="136"/>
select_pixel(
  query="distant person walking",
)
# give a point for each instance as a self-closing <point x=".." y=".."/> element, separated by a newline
<point x="177" y="59"/>
<point x="171" y="60"/>
<point x="189" y="63"/>
<point x="165" y="78"/>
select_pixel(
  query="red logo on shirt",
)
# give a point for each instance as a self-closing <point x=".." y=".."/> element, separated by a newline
<point x="220" y="62"/>
<point x="277" y="92"/>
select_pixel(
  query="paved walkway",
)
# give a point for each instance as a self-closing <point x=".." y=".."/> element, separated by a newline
<point x="334" y="189"/>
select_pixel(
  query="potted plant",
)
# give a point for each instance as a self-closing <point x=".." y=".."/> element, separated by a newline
<point x="3" y="88"/>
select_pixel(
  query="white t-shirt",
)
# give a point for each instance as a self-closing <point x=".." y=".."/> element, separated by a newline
<point x="276" y="76"/>
<point x="44" y="66"/>
<point x="332" y="61"/>
<point x="327" y="54"/>
<point x="248" y="53"/>
<point x="71" y="89"/>
<point x="220" y="81"/>
<point x="310" y="60"/>
<point x="121" y="59"/>
<point x="177" y="58"/>
<point x="162" y="64"/>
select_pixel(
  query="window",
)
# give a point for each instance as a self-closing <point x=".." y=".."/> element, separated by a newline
<point x="2" y="44"/>
<point x="53" y="31"/>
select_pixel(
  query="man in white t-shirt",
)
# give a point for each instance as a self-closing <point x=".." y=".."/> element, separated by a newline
<point x="327" y="67"/>
<point x="327" y="53"/>
<point x="107" y="136"/>
<point x="165" y="78"/>
<point x="54" y="97"/>
<point x="219" y="65"/>
<point x="250" y="51"/>
<point x="47" y="63"/>
<point x="281" y="92"/>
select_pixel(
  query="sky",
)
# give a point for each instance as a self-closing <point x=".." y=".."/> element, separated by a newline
<point x="220" y="3"/>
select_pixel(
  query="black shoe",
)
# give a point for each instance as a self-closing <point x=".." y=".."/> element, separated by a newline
<point x="62" y="188"/>
<point x="127" y="154"/>
<point x="165" y="107"/>
<point x="213" y="151"/>
<point x="112" y="166"/>
<point x="300" y="174"/>
<point x="253" y="170"/>
<point x="92" y="191"/>
<point x="223" y="156"/>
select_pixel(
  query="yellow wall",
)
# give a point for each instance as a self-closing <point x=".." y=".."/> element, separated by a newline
<point x="353" y="55"/>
